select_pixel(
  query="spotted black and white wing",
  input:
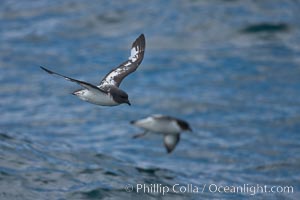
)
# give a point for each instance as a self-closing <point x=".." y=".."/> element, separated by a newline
<point x="115" y="76"/>
<point x="82" y="83"/>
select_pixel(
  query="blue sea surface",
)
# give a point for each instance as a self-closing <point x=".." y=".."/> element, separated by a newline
<point x="230" y="68"/>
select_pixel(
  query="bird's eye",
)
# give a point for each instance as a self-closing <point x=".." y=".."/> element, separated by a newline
<point x="125" y="96"/>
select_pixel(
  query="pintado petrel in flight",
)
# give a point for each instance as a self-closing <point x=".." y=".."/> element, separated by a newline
<point x="108" y="92"/>
<point x="170" y="127"/>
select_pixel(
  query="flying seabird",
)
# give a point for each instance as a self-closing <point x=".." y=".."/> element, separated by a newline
<point x="108" y="92"/>
<point x="170" y="127"/>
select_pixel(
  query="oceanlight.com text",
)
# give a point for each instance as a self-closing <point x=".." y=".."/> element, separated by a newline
<point x="250" y="189"/>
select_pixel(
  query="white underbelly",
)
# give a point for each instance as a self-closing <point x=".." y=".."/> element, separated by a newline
<point x="159" y="126"/>
<point x="98" y="98"/>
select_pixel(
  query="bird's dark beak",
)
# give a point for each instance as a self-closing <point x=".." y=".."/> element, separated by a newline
<point x="128" y="103"/>
<point x="189" y="129"/>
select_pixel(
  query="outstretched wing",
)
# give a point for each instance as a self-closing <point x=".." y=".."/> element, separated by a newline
<point x="170" y="142"/>
<point x="115" y="76"/>
<point x="82" y="83"/>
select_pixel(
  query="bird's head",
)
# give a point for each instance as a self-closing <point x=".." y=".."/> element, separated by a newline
<point x="119" y="96"/>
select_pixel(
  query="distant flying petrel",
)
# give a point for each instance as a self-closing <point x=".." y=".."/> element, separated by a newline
<point x="170" y="127"/>
<point x="108" y="92"/>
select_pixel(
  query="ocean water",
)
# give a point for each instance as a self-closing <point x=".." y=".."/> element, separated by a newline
<point x="229" y="68"/>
